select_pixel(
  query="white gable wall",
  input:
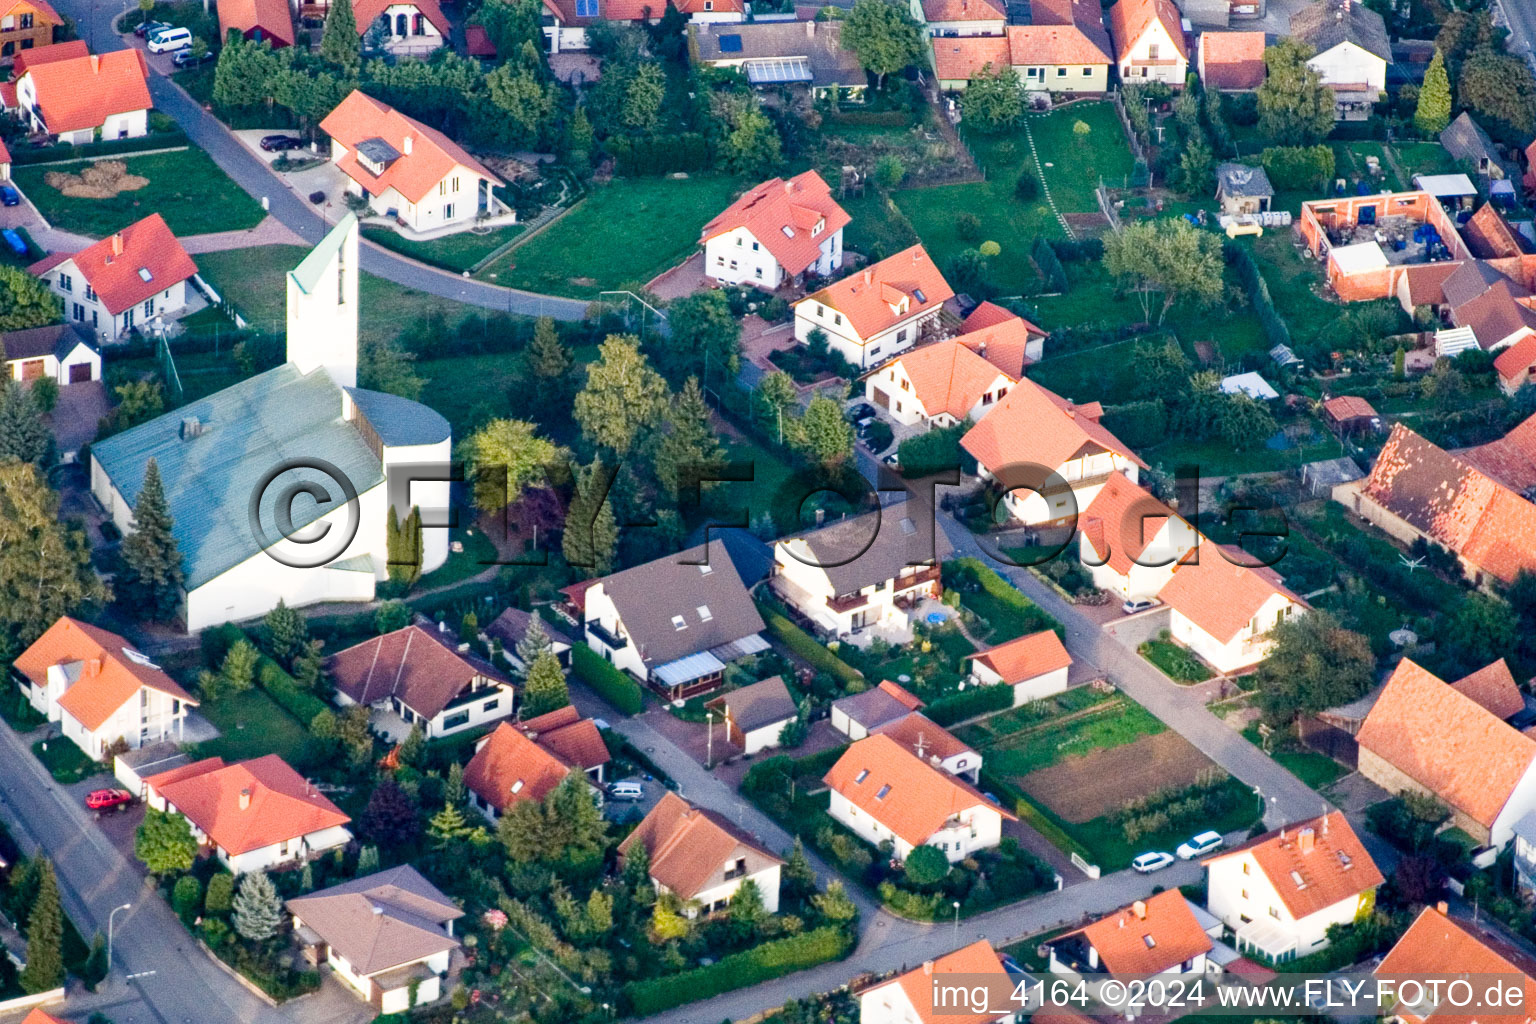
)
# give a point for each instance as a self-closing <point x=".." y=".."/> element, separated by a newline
<point x="1348" y="64"/>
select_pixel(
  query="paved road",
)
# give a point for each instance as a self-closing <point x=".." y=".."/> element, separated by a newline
<point x="1520" y="16"/>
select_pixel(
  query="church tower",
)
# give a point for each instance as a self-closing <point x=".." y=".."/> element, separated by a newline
<point x="322" y="306"/>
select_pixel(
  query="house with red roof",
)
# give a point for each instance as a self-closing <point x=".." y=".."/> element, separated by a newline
<point x="566" y="21"/>
<point x="1007" y="340"/>
<point x="257" y="20"/>
<point x="934" y="744"/>
<point x="410" y="173"/>
<point x="100" y="689"/>
<point x="1035" y="665"/>
<point x="1282" y="891"/>
<point x="79" y="97"/>
<point x="1130" y="542"/>
<point x="1224" y="607"/>
<point x="529" y="759"/>
<point x="961" y="17"/>
<point x="1230" y="61"/>
<point x="779" y="232"/>
<point x="1437" y="944"/>
<point x="402" y="27"/>
<point x="1149" y="42"/>
<point x="940" y="385"/>
<point x="122" y="282"/>
<point x="702" y="857"/>
<point x="252" y="815"/>
<point x="1064" y="49"/>
<point x="874" y="313"/>
<point x="910" y="998"/>
<point x="25" y="25"/>
<point x="1157" y="935"/>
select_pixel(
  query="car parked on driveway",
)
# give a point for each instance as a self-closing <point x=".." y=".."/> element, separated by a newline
<point x="169" y="40"/>
<point x="188" y="59"/>
<point x="9" y="196"/>
<point x="1141" y="604"/>
<point x="105" y="799"/>
<point x="281" y="143"/>
<point x="1200" y="845"/>
<point x="145" y="29"/>
<point x="1150" y="862"/>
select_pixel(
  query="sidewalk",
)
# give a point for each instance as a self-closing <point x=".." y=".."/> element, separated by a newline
<point x="270" y="231"/>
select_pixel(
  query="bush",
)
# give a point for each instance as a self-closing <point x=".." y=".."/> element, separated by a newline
<point x="221" y="894"/>
<point x="287" y="693"/>
<point x="926" y="866"/>
<point x="978" y="700"/>
<point x="1050" y="266"/>
<point x="1292" y="168"/>
<point x="1078" y="250"/>
<point x="1138" y="424"/>
<point x="660" y="154"/>
<point x="611" y="684"/>
<point x="1027" y="188"/>
<point x="186" y="897"/>
<point x="739" y="970"/>
<point x="808" y="648"/>
<point x="933" y="452"/>
<point x="968" y="227"/>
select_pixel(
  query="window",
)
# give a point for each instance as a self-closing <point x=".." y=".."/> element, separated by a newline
<point x="79" y="311"/>
<point x="66" y="283"/>
<point x="455" y="184"/>
<point x="837" y="318"/>
<point x="874" y="352"/>
<point x="678" y="622"/>
<point x="1061" y="72"/>
<point x="821" y="312"/>
<point x="738" y="242"/>
<point x="901" y="336"/>
<point x="1150" y="941"/>
<point x="704" y="613"/>
<point x="863" y="774"/>
<point x="456" y="719"/>
<point x="986" y="399"/>
<point x="90" y="293"/>
<point x="1152" y="51"/>
<point x="898" y="407"/>
<point x="491" y="705"/>
<point x="447" y="211"/>
<point x="128" y="320"/>
<point x="1274" y="913"/>
<point x="586" y="9"/>
<point x="960" y="764"/>
<point x="1034" y="72"/>
<point x="737" y="869"/>
<point x="756" y="247"/>
<point x="719" y="261"/>
<point x="26" y="21"/>
<point x="1087" y="72"/>
<point x="442" y="187"/>
<point x="884" y="792"/>
<point x="517" y="787"/>
<point x="149" y="307"/>
<point x="757" y="272"/>
<point x="906" y="385"/>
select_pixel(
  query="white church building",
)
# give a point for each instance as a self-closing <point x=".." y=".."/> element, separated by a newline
<point x="278" y="485"/>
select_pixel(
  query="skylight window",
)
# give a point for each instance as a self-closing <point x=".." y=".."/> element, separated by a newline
<point x="706" y="569"/>
<point x="145" y="275"/>
<point x="1150" y="941"/>
<point x="517" y="786"/>
<point x="920" y="296"/>
<point x="789" y="232"/>
<point x="1345" y="861"/>
<point x="883" y="791"/>
<point x="678" y="622"/>
<point x="704" y="613"/>
<point x="137" y="658"/>
<point x="863" y="774"/>
<point x="1301" y="883"/>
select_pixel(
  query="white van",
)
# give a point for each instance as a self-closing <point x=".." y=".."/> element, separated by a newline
<point x="168" y="39"/>
<point x="629" y="790"/>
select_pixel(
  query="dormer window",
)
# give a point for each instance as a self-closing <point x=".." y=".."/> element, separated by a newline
<point x="705" y="614"/>
<point x="820" y="226"/>
<point x="375" y="155"/>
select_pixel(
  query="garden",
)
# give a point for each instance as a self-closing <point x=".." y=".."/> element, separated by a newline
<point x="1001" y="612"/>
<point x="1174" y="660"/>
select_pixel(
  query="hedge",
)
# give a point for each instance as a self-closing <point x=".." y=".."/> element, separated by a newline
<point x="609" y="683"/>
<point x="1032" y="815"/>
<point x="978" y="700"/>
<point x="1241" y="260"/>
<point x="1139" y="424"/>
<point x="108" y="147"/>
<point x="1294" y="168"/>
<point x="807" y="648"/>
<point x="288" y="694"/>
<point x="1050" y="265"/>
<point x="739" y="970"/>
<point x="661" y="154"/>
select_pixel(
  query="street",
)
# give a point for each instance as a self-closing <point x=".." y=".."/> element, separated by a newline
<point x="1520" y="16"/>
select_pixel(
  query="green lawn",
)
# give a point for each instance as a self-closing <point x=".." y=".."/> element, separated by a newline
<point x="1294" y="282"/>
<point x="1112" y="725"/>
<point x="1175" y="662"/>
<point x="1074" y="164"/>
<point x="66" y="762"/>
<point x="623" y="233"/>
<point x="878" y="224"/>
<point x="185" y="187"/>
<point x="252" y="725"/>
<point x="1316" y="770"/>
<point x="1217" y="458"/>
<point x="457" y="252"/>
<point x="479" y="554"/>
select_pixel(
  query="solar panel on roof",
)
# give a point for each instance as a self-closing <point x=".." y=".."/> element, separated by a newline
<point x="730" y="44"/>
<point x="776" y="70"/>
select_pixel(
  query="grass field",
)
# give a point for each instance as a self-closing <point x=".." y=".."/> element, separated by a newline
<point x="458" y="252"/>
<point x="1316" y="770"/>
<point x="1073" y="163"/>
<point x="1175" y="662"/>
<point x="1292" y="279"/>
<point x="66" y="762"/>
<point x="1105" y="373"/>
<point x="1111" y="725"/>
<point x="878" y="224"/>
<point x="251" y="725"/>
<point x="185" y="187"/>
<point x="594" y="247"/>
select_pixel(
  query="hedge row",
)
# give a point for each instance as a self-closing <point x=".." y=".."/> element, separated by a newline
<point x="978" y="700"/>
<point x="108" y="147"/>
<point x="1031" y="815"/>
<point x="806" y="647"/>
<point x="288" y="694"/>
<point x="1294" y="168"/>
<point x="611" y="684"/>
<point x="1247" y="268"/>
<point x="661" y="154"/>
<point x="739" y="970"/>
<point x="1050" y="266"/>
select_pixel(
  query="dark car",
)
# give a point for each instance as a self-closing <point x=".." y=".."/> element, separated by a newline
<point x="281" y="143"/>
<point x="9" y="196"/>
<point x="862" y="411"/>
<point x="188" y="59"/>
<point x="145" y="29"/>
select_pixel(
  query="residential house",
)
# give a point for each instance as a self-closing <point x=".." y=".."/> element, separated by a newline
<point x="874" y="313"/>
<point x="424" y="677"/>
<point x="402" y="27"/>
<point x="1282" y="891"/>
<point x="958" y="58"/>
<point x="100" y="689"/>
<point x="1242" y="190"/>
<point x="63" y="352"/>
<point x="528" y="760"/>
<point x="1149" y="42"/>
<point x="676" y="622"/>
<point x="933" y="743"/>
<point x="909" y="998"/>
<point x="1224" y="609"/>
<point x="1437" y="945"/>
<point x="257" y="20"/>
<point x="755" y="715"/>
<point x="777" y="233"/>
<point x="775" y="55"/>
<point x="941" y="384"/>
<point x="1425" y="736"/>
<point x="961" y="17"/>
<point x="1157" y="935"/>
<point x="27" y="24"/>
<point x="508" y="629"/>
<point x="388" y="936"/>
<point x="1035" y="665"/>
<point x="1490" y="235"/>
<point x="861" y="572"/>
<point x="701" y="857"/>
<point x="253" y="815"/>
<point x="1351" y="52"/>
<point x="80" y="97"/>
<point x="1005" y="339"/>
<point x="884" y="792"/>
<point x="414" y="174"/>
<point x="1467" y="143"/>
<point x="1130" y="542"/>
<point x="1418" y="490"/>
<point x="1230" y="61"/>
<point x="566" y="22"/>
<point x="859" y="714"/>
<point x="1064" y="49"/>
<point x="1051" y="456"/>
<point x="1525" y="856"/>
<point x="1350" y="414"/>
<point x="122" y="282"/>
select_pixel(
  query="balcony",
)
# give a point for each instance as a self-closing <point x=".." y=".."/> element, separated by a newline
<point x="847" y="602"/>
<point x="917" y="579"/>
<point x="612" y="641"/>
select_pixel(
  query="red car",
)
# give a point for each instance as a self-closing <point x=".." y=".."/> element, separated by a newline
<point x="105" y="799"/>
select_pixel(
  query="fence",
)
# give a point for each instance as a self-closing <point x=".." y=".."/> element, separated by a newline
<point x="1091" y="870"/>
<point x="1137" y="149"/>
<point x="1107" y="206"/>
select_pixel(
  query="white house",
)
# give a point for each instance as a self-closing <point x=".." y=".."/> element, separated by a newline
<point x="66" y="91"/>
<point x="61" y="351"/>
<point x="1436" y="945"/>
<point x="884" y="792"/>
<point x="910" y="997"/>
<point x="1035" y="665"/>
<point x="100" y="690"/>
<point x="1352" y="52"/>
<point x="123" y="282"/>
<point x="1281" y="892"/>
<point x="754" y="716"/>
<point x="1051" y="456"/>
<point x="874" y="313"/>
<point x="777" y="233"/>
<point x="402" y="27"/>
<point x="940" y="384"/>
<point x="1149" y="42"/>
<point x="388" y="935"/>
<point x="1223" y="610"/>
<point x="1130" y="542"/>
<point x="410" y="173"/>
<point x="961" y="17"/>
<point x="1157" y="935"/>
<point x="528" y="759"/>
<point x="253" y="815"/>
<point x="309" y="408"/>
<point x="702" y="857"/>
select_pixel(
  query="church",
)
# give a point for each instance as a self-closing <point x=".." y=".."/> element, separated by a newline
<point x="261" y="476"/>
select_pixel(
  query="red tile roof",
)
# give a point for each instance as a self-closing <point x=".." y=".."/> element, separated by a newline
<point x="111" y="671"/>
<point x="508" y="767"/>
<point x="1436" y="945"/>
<point x="1447" y="742"/>
<point x="990" y="314"/>
<point x="411" y="665"/>
<point x="83" y="91"/>
<point x="38" y="7"/>
<point x="1004" y="344"/>
<point x="962" y="58"/>
<point x="1513" y="360"/>
<point x="1121" y="520"/>
<point x="427" y="156"/>
<point x="272" y="17"/>
<point x="971" y="964"/>
<point x="691" y="7"/>
<point x="947" y="377"/>
<point x="1348" y="407"/>
<point x="39" y="1017"/>
<point x="917" y="732"/>
<point x="1035" y="427"/>
<point x="1025" y="658"/>
<point x="1311" y="864"/>
<point x="366" y="12"/>
<point x="1494" y="687"/>
<point x="1129" y="20"/>
<point x="40" y="55"/>
<point x="884" y="294"/>
<point x="280" y="805"/>
<point x="783" y="216"/>
<point x="1489" y="236"/>
<point x="1511" y="459"/>
<point x="1063" y="32"/>
<point x="690" y="846"/>
<point x="963" y="10"/>
<point x="1219" y="592"/>
<point x="1232" y="60"/>
<point x="137" y="263"/>
<point x="477" y="41"/>
<point x="573" y="739"/>
<point x="1148" y="937"/>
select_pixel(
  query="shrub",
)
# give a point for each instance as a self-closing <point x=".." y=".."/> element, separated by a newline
<point x="288" y="694"/>
<point x="937" y="450"/>
<point x="738" y="970"/>
<point x="1138" y="424"/>
<point x="186" y="897"/>
<point x="220" y="895"/>
<point x="807" y="647"/>
<point x="926" y="866"/>
<point x="1027" y="188"/>
<point x="611" y="684"/>
<point x="968" y="227"/>
<point x="1298" y="167"/>
<point x="978" y="700"/>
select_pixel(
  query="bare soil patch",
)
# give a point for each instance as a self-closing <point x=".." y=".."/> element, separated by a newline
<point x="102" y="180"/>
<point x="1079" y="789"/>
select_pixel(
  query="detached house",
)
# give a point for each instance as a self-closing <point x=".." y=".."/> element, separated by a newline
<point x="701" y="857"/>
<point x="876" y="312"/>
<point x="508" y="629"/>
<point x="1231" y="61"/>
<point x="792" y="55"/>
<point x="1352" y="52"/>
<point x="414" y="674"/>
<point x="1157" y="935"/>
<point x="910" y="997"/>
<point x="257" y="20"/>
<point x="1035" y="665"/>
<point x="940" y="384"/>
<point x="777" y="233"/>
<point x="1130" y="542"/>
<point x="1149" y="42"/>
<point x="1281" y="892"/>
<point x="123" y="281"/>
<point x="403" y="27"/>
<point x="1223" y="609"/>
<point x="1436" y="945"/>
<point x="755" y="715"/>
<point x="884" y="792"/>
<point x="528" y="760"/>
<point x="933" y="743"/>
<point x="1064" y="48"/>
<point x="253" y="815"/>
<point x="26" y="24"/>
<point x="961" y="17"/>
<point x="414" y="174"/>
<point x="100" y="690"/>
<point x="65" y="91"/>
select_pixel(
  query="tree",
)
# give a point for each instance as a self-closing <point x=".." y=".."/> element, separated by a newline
<point x="1444" y="384"/>
<point x="164" y="843"/>
<point x="448" y="828"/>
<point x="702" y="333"/>
<point x="342" y="43"/>
<point x="746" y="911"/>
<point x="220" y="895"/>
<point x="137" y="402"/>
<point x="599" y="912"/>
<point x="151" y="576"/>
<point x="402" y="548"/>
<point x="751" y="144"/>
<point x="385" y="366"/>
<point x="511" y="23"/>
<point x="666" y="923"/>
<point x="257" y="910"/>
<point x="45" y="569"/>
<point x="689" y="441"/>
<point x="774" y="394"/>
<point x="526" y="100"/>
<point x="534" y="642"/>
<point x="285" y="633"/>
<point x="310" y="94"/>
<point x="412" y="747"/>
<point x="1500" y="89"/>
<point x="454" y="789"/>
<point x="883" y="36"/>
<point x="580" y="141"/>
<point x="245" y="73"/>
<point x="23" y="434"/>
<point x="925" y="866"/>
<point x="622" y="397"/>
<point x="797" y="877"/>
<point x="237" y="673"/>
<point x="822" y="432"/>
<point x="545" y="689"/>
<point x="1434" y="109"/>
<point x="565" y="830"/>
<point x="367" y="860"/>
<point x="45" y="935"/>
<point x="187" y="897"/>
<point x="591" y="534"/>
<point x="643" y="96"/>
<point x="548" y="365"/>
<point x="1295" y="107"/>
<point x="1315" y="664"/>
<point x="1246" y="423"/>
<point x="25" y="301"/>
<point x="994" y="100"/>
<point x="391" y="819"/>
<point x="1483" y="629"/>
<point x="1169" y="257"/>
<point x="1197" y="167"/>
<point x="835" y="904"/>
<point x="392" y="615"/>
<point x="504" y="456"/>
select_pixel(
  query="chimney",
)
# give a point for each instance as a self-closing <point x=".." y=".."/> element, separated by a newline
<point x="93" y="667"/>
<point x="1071" y="410"/>
<point x="927" y="966"/>
<point x="810" y="30"/>
<point x="406" y="148"/>
<point x="117" y="246"/>
<point x="1305" y="840"/>
<point x="95" y="64"/>
<point x="245" y="799"/>
<point x="1443" y="907"/>
<point x="1139" y="908"/>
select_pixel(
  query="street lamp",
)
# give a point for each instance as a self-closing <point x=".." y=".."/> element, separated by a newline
<point x="110" y="918"/>
<point x="957" y="920"/>
<point x="709" y="757"/>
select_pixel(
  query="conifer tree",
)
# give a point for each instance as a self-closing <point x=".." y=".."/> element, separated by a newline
<point x="286" y="633"/>
<point x="257" y="909"/>
<point x="549" y="365"/>
<point x="534" y="642"/>
<point x="342" y="43"/>
<point x="45" y="936"/>
<point x="152" y="575"/>
<point x="23" y="434"/>
<point x="1434" y="110"/>
<point x="591" y="532"/>
<point x="545" y="690"/>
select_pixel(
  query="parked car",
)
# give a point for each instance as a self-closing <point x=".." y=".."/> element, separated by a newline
<point x="862" y="411"/>
<point x="188" y="59"/>
<point x="168" y="40"/>
<point x="105" y="799"/>
<point x="145" y="29"/>
<point x="1200" y="845"/>
<point x="627" y="790"/>
<point x="892" y="461"/>
<point x="1150" y="862"/>
<point x="281" y="143"/>
<point x="9" y="196"/>
<point x="15" y="243"/>
<point x="1141" y="604"/>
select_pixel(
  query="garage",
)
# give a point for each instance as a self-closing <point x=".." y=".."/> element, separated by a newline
<point x="32" y="369"/>
<point x="79" y="373"/>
